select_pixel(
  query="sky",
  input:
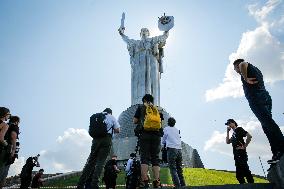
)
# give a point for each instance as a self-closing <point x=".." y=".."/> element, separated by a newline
<point x="62" y="61"/>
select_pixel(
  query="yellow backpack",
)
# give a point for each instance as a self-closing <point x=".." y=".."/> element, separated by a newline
<point x="152" y="121"/>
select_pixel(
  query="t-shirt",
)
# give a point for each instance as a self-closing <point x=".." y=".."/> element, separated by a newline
<point x="109" y="168"/>
<point x="255" y="91"/>
<point x="128" y="166"/>
<point x="36" y="183"/>
<point x="237" y="138"/>
<point x="171" y="138"/>
<point x="111" y="122"/>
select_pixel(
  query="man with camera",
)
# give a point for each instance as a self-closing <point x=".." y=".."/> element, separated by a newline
<point x="12" y="149"/>
<point x="239" y="150"/>
<point x="26" y="173"/>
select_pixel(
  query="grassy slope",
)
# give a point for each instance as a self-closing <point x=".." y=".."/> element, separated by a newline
<point x="193" y="177"/>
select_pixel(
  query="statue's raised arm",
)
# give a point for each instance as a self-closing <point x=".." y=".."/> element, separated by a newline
<point x="121" y="29"/>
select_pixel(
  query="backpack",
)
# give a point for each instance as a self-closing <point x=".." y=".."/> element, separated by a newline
<point x="98" y="128"/>
<point x="152" y="120"/>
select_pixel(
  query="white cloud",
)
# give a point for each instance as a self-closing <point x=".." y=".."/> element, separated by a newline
<point x="16" y="167"/>
<point x="70" y="153"/>
<point x="259" y="145"/>
<point x="262" y="47"/>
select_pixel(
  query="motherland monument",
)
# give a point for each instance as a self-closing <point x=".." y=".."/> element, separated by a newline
<point x="146" y="63"/>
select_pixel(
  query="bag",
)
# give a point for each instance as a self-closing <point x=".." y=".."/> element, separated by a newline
<point x="98" y="128"/>
<point x="152" y="121"/>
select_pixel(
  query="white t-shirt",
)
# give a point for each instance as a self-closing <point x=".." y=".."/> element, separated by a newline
<point x="128" y="166"/>
<point x="111" y="122"/>
<point x="171" y="137"/>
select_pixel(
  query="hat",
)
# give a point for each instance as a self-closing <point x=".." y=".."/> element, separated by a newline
<point x="231" y="121"/>
<point x="108" y="110"/>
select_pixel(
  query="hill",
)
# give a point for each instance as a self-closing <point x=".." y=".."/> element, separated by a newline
<point x="193" y="177"/>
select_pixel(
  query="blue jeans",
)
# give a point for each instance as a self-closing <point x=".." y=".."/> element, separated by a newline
<point x="262" y="110"/>
<point x="175" y="165"/>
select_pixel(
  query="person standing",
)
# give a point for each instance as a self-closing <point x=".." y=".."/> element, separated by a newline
<point x="26" y="173"/>
<point x="101" y="146"/>
<point x="149" y="133"/>
<point x="133" y="172"/>
<point x="10" y="154"/>
<point x="260" y="103"/>
<point x="239" y="150"/>
<point x="110" y="173"/>
<point x="37" y="180"/>
<point x="172" y="140"/>
<point x="4" y="116"/>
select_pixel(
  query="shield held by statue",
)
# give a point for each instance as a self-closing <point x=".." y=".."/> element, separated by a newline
<point x="165" y="23"/>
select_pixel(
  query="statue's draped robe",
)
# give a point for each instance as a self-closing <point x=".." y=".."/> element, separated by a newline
<point x="145" y="68"/>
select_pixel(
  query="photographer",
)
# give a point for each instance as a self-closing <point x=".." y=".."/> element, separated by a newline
<point x="26" y="173"/>
<point x="11" y="152"/>
<point x="239" y="150"/>
<point x="110" y="173"/>
<point x="37" y="180"/>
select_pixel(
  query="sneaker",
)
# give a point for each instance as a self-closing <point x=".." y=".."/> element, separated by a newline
<point x="157" y="184"/>
<point x="275" y="158"/>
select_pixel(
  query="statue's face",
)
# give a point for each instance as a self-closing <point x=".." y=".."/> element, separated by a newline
<point x="144" y="33"/>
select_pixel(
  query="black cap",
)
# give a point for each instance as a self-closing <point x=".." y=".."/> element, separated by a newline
<point x="133" y="155"/>
<point x="108" y="110"/>
<point x="231" y="121"/>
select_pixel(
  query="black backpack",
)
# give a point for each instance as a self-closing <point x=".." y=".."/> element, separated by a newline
<point x="98" y="128"/>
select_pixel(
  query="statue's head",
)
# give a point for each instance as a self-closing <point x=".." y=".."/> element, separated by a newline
<point x="144" y="33"/>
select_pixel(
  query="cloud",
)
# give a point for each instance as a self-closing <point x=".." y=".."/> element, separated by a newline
<point x="262" y="46"/>
<point x="70" y="153"/>
<point x="16" y="167"/>
<point x="259" y="145"/>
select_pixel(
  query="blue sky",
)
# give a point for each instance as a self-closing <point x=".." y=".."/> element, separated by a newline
<point x="62" y="61"/>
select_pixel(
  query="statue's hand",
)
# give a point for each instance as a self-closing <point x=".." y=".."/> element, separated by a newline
<point x="121" y="30"/>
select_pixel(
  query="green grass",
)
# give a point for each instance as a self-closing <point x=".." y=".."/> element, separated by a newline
<point x="193" y="177"/>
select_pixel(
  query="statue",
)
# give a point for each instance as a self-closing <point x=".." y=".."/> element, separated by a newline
<point x="146" y="60"/>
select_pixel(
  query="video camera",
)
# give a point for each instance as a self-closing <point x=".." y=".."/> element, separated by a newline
<point x="35" y="160"/>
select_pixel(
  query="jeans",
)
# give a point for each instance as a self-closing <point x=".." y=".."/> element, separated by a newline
<point x="99" y="151"/>
<point x="262" y="110"/>
<point x="175" y="165"/>
<point x="242" y="168"/>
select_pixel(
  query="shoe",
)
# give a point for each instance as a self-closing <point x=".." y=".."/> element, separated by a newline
<point x="157" y="184"/>
<point x="275" y="158"/>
